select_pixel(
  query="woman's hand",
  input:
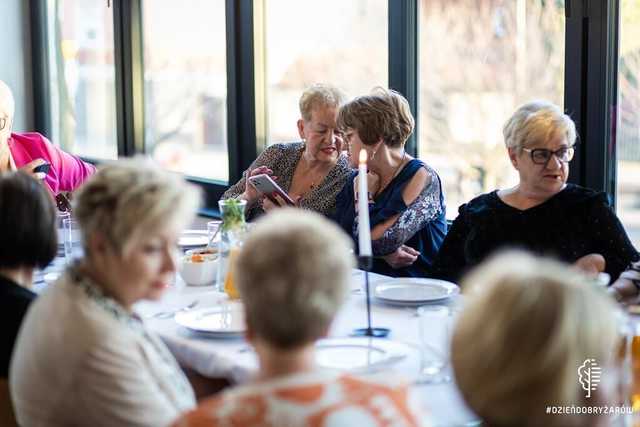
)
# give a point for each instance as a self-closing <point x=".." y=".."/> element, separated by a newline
<point x="251" y="194"/>
<point x="28" y="169"/>
<point x="373" y="184"/>
<point x="268" y="205"/>
<point x="404" y="256"/>
<point x="591" y="264"/>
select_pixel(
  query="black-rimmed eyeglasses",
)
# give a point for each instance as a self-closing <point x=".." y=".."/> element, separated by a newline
<point x="541" y="156"/>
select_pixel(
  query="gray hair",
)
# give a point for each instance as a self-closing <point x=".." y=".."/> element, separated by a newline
<point x="293" y="276"/>
<point x="131" y="197"/>
<point x="535" y="122"/>
<point x="319" y="96"/>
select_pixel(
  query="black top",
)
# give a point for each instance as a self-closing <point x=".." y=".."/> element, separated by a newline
<point x="14" y="301"/>
<point x="573" y="223"/>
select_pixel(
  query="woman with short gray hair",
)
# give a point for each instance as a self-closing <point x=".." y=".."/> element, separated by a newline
<point x="313" y="171"/>
<point x="293" y="275"/>
<point x="542" y="213"/>
<point x="98" y="364"/>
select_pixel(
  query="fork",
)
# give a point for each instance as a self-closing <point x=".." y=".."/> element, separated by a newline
<point x="171" y="313"/>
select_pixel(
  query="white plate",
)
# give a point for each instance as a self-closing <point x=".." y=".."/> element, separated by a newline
<point x="193" y="238"/>
<point x="225" y="320"/>
<point x="412" y="291"/>
<point x="358" y="354"/>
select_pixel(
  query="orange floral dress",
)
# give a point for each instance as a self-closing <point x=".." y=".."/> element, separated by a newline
<point x="310" y="400"/>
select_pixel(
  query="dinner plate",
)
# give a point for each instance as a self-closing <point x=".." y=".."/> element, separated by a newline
<point x="193" y="239"/>
<point x="359" y="353"/>
<point x="413" y="291"/>
<point x="222" y="321"/>
<point x="355" y="354"/>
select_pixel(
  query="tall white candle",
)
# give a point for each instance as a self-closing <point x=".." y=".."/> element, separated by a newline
<point x="364" y="233"/>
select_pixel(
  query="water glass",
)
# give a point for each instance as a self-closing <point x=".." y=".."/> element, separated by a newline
<point x="60" y="227"/>
<point x="72" y="240"/>
<point x="434" y="328"/>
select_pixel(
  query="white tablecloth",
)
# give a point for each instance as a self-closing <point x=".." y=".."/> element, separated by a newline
<point x="224" y="357"/>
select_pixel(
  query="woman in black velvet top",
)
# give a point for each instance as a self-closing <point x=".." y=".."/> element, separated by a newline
<point x="543" y="213"/>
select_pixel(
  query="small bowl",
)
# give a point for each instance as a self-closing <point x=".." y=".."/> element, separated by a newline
<point x="199" y="266"/>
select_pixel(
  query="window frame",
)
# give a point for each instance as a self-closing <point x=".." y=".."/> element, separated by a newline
<point x="591" y="55"/>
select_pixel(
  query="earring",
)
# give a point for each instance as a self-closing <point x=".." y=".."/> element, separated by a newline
<point x="373" y="155"/>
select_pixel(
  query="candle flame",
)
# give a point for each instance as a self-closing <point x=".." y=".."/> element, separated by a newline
<point x="363" y="156"/>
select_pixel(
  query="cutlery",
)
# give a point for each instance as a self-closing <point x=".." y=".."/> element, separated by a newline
<point x="171" y="313"/>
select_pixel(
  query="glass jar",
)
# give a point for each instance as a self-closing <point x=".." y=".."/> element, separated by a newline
<point x="231" y="239"/>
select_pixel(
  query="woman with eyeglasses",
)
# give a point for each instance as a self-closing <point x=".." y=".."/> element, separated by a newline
<point x="542" y="213"/>
<point x="35" y="155"/>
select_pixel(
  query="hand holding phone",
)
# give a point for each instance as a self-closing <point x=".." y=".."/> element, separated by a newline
<point x="43" y="168"/>
<point x="267" y="186"/>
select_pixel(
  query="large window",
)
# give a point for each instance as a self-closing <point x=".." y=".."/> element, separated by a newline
<point x="340" y="42"/>
<point x="628" y="119"/>
<point x="185" y="86"/>
<point x="82" y="78"/>
<point x="478" y="61"/>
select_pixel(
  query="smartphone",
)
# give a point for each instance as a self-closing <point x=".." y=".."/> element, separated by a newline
<point x="267" y="186"/>
<point x="44" y="168"/>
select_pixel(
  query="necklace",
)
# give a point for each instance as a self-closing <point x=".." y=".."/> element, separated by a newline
<point x="384" y="184"/>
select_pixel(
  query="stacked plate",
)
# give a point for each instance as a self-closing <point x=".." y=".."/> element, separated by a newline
<point x="414" y="292"/>
<point x="223" y="321"/>
<point x="190" y="239"/>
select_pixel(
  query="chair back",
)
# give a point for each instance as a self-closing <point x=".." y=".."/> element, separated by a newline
<point x="7" y="417"/>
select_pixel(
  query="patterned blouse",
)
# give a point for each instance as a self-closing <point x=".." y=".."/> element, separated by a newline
<point x="282" y="159"/>
<point x="311" y="399"/>
<point x="421" y="225"/>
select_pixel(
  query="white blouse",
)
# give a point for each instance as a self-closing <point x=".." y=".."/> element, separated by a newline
<point x="81" y="359"/>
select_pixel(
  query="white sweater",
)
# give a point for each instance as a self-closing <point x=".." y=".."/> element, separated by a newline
<point x="82" y="360"/>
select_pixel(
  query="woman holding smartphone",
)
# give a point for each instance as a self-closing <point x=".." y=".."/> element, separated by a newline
<point x="311" y="172"/>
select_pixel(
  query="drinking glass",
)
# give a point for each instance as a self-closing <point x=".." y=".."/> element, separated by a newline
<point x="60" y="229"/>
<point x="72" y="240"/>
<point x="212" y="231"/>
<point x="434" y="328"/>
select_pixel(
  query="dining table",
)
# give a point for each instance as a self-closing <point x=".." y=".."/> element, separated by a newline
<point x="232" y="358"/>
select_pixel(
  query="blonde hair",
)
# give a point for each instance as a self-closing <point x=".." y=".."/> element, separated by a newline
<point x="528" y="325"/>
<point x="319" y="96"/>
<point x="293" y="275"/>
<point x="384" y="114"/>
<point x="535" y="122"/>
<point x="130" y="198"/>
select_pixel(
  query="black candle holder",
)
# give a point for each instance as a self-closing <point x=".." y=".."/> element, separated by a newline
<point x="365" y="263"/>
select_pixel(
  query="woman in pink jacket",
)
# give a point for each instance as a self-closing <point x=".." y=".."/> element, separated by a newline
<point x="26" y="151"/>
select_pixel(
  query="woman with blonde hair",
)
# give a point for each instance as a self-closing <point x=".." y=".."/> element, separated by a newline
<point x="406" y="203"/>
<point x="529" y="331"/>
<point x="82" y="356"/>
<point x="313" y="171"/>
<point x="542" y="213"/>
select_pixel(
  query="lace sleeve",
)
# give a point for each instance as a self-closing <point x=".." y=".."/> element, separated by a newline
<point x="418" y="214"/>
